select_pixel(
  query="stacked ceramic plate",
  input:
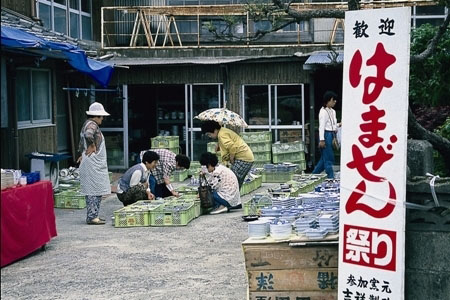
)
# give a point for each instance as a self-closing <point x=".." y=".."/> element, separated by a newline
<point x="271" y="211"/>
<point x="289" y="215"/>
<point x="303" y="224"/>
<point x="258" y="229"/>
<point x="7" y="179"/>
<point x="280" y="229"/>
<point x="284" y="202"/>
<point x="315" y="233"/>
<point x="329" y="222"/>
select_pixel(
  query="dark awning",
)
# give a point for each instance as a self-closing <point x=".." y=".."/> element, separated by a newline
<point x="13" y="38"/>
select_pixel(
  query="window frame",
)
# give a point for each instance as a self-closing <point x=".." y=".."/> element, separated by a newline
<point x="68" y="11"/>
<point x="37" y="123"/>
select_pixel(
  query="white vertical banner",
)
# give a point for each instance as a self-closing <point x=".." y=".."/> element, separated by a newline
<point x="373" y="155"/>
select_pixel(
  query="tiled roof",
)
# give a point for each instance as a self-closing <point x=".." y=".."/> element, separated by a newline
<point x="16" y="20"/>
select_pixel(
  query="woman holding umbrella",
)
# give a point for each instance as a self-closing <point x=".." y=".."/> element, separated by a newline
<point x="232" y="148"/>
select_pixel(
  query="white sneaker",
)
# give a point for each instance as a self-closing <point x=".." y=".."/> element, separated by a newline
<point x="219" y="210"/>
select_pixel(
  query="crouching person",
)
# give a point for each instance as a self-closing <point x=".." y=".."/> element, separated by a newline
<point x="223" y="182"/>
<point x="133" y="185"/>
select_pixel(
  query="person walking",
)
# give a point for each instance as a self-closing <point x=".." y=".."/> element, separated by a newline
<point x="327" y="129"/>
<point x="223" y="183"/>
<point x="94" y="177"/>
<point x="232" y="148"/>
<point x="133" y="185"/>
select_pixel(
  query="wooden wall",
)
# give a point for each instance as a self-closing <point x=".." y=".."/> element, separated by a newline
<point x="232" y="75"/>
<point x="21" y="6"/>
<point x="41" y="139"/>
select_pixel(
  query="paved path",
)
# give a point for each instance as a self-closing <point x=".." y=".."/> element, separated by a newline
<point x="202" y="260"/>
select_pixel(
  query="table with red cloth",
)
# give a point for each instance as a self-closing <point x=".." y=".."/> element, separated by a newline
<point x="27" y="220"/>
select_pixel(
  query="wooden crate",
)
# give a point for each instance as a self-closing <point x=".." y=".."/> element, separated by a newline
<point x="292" y="295"/>
<point x="276" y="269"/>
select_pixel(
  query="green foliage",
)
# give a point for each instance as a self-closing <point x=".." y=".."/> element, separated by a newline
<point x="444" y="129"/>
<point x="430" y="79"/>
<point x="439" y="163"/>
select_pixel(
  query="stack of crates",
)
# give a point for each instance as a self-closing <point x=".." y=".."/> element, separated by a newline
<point x="290" y="152"/>
<point x="166" y="142"/>
<point x="278" y="172"/>
<point x="69" y="199"/>
<point x="194" y="168"/>
<point x="179" y="175"/>
<point x="211" y="147"/>
<point x="260" y="142"/>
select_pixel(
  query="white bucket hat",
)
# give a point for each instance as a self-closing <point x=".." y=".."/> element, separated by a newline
<point x="96" y="109"/>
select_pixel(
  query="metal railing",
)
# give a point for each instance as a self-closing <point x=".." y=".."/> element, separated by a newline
<point x="157" y="27"/>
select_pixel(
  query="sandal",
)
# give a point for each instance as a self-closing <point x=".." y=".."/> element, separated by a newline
<point x="97" y="222"/>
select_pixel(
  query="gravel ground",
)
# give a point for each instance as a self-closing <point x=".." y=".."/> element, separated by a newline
<point x="203" y="260"/>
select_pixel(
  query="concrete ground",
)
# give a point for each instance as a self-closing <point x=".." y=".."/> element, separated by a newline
<point x="203" y="260"/>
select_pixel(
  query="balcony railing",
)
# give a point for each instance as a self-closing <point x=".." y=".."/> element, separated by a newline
<point x="159" y="27"/>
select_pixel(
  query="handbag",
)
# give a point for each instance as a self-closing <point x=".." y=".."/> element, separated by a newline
<point x="205" y="193"/>
<point x="335" y="143"/>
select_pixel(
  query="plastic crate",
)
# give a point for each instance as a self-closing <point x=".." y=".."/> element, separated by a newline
<point x="292" y="157"/>
<point x="262" y="156"/>
<point x="288" y="147"/>
<point x="179" y="175"/>
<point x="280" y="177"/>
<point x="69" y="199"/>
<point x="187" y="191"/>
<point x="260" y="164"/>
<point x="137" y="214"/>
<point x="165" y="142"/>
<point x="211" y="147"/>
<point x="257" y="136"/>
<point x="253" y="206"/>
<point x="260" y="147"/>
<point x="173" y="214"/>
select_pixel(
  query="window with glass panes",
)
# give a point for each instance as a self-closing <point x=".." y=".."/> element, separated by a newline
<point x="70" y="17"/>
<point x="33" y="94"/>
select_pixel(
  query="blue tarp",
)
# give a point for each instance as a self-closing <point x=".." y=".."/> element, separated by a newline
<point x="18" y="39"/>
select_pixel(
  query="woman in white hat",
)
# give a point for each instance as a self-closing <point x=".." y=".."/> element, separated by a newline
<point x="94" y="178"/>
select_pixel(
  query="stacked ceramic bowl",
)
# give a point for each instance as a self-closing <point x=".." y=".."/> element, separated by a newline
<point x="271" y="211"/>
<point x="280" y="229"/>
<point x="315" y="233"/>
<point x="258" y="229"/>
<point x="303" y="224"/>
<point x="329" y="222"/>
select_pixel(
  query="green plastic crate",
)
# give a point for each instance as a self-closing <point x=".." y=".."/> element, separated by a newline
<point x="260" y="147"/>
<point x="277" y="176"/>
<point x="211" y="147"/>
<point x="165" y="142"/>
<point x="69" y="199"/>
<point x="253" y="207"/>
<point x="262" y="156"/>
<point x="257" y="136"/>
<point x="185" y="190"/>
<point x="137" y="214"/>
<point x="292" y="157"/>
<point x="179" y="175"/>
<point x="194" y="168"/>
<point x="169" y="216"/>
<point x="131" y="217"/>
<point x="288" y="147"/>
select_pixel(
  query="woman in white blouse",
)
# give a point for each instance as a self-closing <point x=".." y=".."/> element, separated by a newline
<point x="327" y="128"/>
<point x="223" y="182"/>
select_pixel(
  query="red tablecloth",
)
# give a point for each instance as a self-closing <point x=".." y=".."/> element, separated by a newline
<point x="27" y="220"/>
